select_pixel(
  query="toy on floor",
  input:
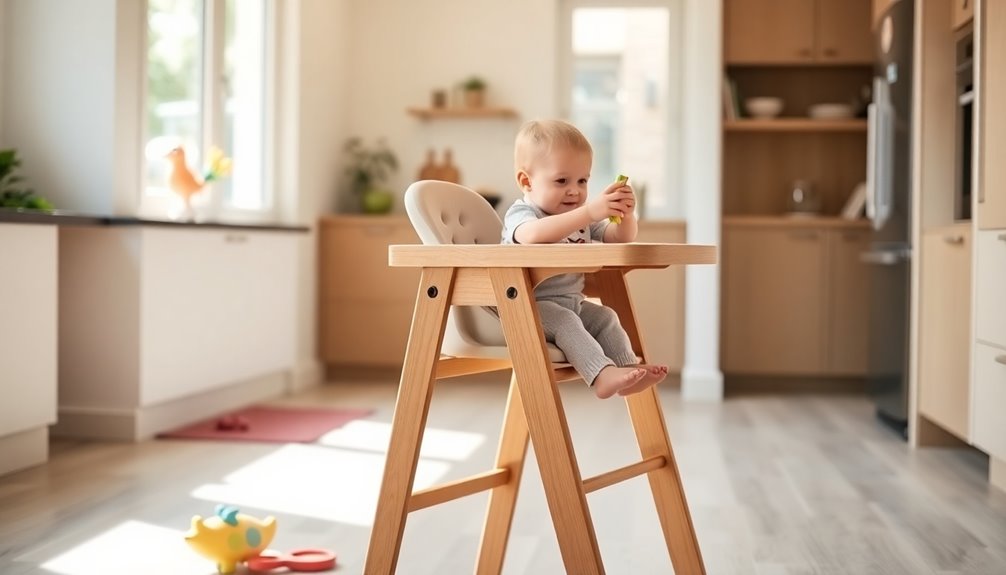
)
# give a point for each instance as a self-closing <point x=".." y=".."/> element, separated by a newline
<point x="232" y="423"/>
<point x="621" y="180"/>
<point x="302" y="560"/>
<point x="230" y="537"/>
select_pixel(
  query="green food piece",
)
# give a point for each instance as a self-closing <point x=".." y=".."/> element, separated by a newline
<point x="621" y="180"/>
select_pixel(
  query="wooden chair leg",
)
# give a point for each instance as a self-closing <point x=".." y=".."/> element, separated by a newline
<point x="546" y="421"/>
<point x="668" y="493"/>
<point x="651" y="434"/>
<point x="411" y="409"/>
<point x="503" y="499"/>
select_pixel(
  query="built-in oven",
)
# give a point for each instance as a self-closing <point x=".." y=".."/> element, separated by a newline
<point x="964" y="123"/>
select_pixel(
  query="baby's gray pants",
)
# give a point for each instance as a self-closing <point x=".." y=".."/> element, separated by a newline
<point x="590" y="335"/>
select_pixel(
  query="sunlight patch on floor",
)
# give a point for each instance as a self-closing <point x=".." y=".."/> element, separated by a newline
<point x="444" y="444"/>
<point x="129" y="548"/>
<point x="321" y="482"/>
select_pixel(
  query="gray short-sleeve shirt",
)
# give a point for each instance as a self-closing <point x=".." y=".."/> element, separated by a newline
<point x="523" y="211"/>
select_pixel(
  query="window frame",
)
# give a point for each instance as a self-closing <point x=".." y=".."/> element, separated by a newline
<point x="673" y="206"/>
<point x="213" y="85"/>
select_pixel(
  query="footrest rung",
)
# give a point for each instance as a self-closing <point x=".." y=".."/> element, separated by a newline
<point x="458" y="489"/>
<point x="622" y="473"/>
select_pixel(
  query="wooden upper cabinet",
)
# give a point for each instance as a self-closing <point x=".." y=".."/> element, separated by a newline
<point x="964" y="11"/>
<point x="798" y="32"/>
<point x="769" y="31"/>
<point x="992" y="182"/>
<point x="844" y="34"/>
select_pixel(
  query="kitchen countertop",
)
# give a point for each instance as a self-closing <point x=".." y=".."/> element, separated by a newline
<point x="64" y="218"/>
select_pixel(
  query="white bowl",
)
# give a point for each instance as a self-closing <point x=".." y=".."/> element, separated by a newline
<point x="763" y="107"/>
<point x="830" y="111"/>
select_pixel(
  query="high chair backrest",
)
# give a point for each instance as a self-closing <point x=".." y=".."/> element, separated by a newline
<point x="446" y="213"/>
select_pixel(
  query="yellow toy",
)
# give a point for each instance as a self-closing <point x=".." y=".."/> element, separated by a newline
<point x="621" y="180"/>
<point x="230" y="537"/>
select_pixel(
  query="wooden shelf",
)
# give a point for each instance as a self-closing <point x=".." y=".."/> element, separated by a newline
<point x="445" y="113"/>
<point x="795" y="125"/>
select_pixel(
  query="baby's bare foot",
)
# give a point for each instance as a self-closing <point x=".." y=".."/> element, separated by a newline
<point x="654" y="375"/>
<point x="612" y="380"/>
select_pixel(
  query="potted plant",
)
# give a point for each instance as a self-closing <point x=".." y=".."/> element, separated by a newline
<point x="11" y="194"/>
<point x="367" y="170"/>
<point x="475" y="91"/>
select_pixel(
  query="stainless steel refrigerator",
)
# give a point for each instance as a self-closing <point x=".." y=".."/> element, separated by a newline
<point x="888" y="205"/>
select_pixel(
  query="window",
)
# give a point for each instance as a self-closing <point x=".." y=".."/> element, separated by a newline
<point x="622" y="89"/>
<point x="207" y="86"/>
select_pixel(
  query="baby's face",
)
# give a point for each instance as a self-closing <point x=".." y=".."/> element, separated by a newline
<point x="558" y="181"/>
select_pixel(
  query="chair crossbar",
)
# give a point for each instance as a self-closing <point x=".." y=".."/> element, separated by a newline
<point x="623" y="473"/>
<point x="457" y="489"/>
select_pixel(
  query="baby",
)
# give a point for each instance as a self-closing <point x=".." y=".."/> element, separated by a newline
<point x="552" y="159"/>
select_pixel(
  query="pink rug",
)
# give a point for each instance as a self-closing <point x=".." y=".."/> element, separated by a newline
<point x="269" y="424"/>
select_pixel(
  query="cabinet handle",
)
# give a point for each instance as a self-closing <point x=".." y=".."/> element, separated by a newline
<point x="1001" y="359"/>
<point x="805" y="52"/>
<point x="830" y="52"/>
<point x="235" y="238"/>
<point x="954" y="240"/>
<point x="1002" y="237"/>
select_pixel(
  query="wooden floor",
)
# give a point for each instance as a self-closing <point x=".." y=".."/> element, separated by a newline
<point x="777" y="485"/>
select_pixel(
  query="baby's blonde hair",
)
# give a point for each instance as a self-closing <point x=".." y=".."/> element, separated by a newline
<point x="538" y="138"/>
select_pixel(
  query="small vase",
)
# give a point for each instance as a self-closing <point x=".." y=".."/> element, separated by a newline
<point x="376" y="201"/>
<point x="475" y="98"/>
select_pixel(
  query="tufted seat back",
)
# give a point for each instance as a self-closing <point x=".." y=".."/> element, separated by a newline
<point x="446" y="213"/>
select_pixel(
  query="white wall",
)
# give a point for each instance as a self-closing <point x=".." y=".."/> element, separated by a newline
<point x="403" y="50"/>
<point x="71" y="104"/>
<point x="313" y="80"/>
<point x="701" y="378"/>
<point x="3" y="68"/>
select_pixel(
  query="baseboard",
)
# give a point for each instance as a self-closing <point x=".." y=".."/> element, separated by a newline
<point x="751" y="384"/>
<point x="24" y="449"/>
<point x="701" y="384"/>
<point x="997" y="472"/>
<point x="142" y="423"/>
<point x="307" y="373"/>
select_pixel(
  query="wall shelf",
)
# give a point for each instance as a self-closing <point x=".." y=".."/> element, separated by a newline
<point x="461" y="113"/>
<point x="795" y="125"/>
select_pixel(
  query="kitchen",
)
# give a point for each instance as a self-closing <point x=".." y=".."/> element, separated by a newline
<point x="349" y="94"/>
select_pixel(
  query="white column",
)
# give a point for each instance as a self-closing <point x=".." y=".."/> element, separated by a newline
<point x="701" y="378"/>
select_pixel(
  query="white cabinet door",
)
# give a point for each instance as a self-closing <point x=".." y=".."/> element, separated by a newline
<point x="989" y="401"/>
<point x="28" y="304"/>
<point x="990" y="289"/>
<point x="218" y="307"/>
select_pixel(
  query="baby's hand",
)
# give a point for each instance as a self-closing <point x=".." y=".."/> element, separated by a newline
<point x="617" y="200"/>
<point x="610" y="202"/>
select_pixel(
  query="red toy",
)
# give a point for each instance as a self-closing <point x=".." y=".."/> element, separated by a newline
<point x="301" y="560"/>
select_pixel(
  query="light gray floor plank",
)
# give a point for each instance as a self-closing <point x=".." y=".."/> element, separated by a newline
<point x="777" y="486"/>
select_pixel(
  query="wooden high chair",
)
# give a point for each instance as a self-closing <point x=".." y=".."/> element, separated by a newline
<point x="462" y="272"/>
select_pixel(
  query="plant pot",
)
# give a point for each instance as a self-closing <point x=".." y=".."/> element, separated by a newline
<point x="377" y="201"/>
<point x="475" y="98"/>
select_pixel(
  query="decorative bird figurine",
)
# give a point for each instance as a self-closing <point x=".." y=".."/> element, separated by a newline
<point x="183" y="182"/>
